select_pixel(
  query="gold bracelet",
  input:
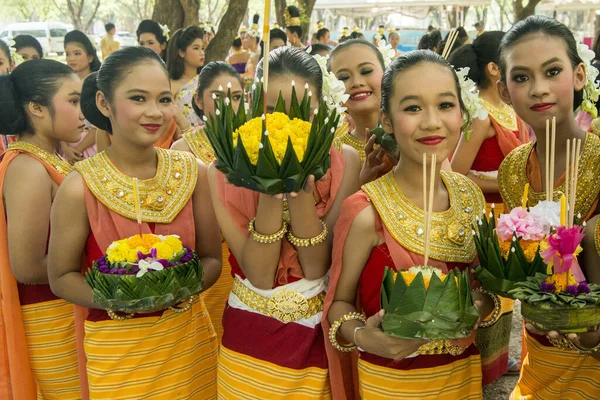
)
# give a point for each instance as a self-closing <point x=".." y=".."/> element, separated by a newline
<point x="267" y="239"/>
<point x="188" y="305"/>
<point x="496" y="314"/>
<point x="336" y="325"/>
<point x="582" y="350"/>
<point x="113" y="315"/>
<point x="563" y="343"/>
<point x="320" y="238"/>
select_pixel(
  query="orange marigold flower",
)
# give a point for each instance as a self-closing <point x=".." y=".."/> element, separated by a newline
<point x="146" y="241"/>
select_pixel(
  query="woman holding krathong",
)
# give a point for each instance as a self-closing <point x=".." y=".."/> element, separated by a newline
<point x="273" y="345"/>
<point x="543" y="77"/>
<point x="383" y="226"/>
<point x="129" y="202"/>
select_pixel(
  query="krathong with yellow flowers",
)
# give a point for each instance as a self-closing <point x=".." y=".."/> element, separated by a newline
<point x="273" y="153"/>
<point x="145" y="273"/>
<point x="424" y="303"/>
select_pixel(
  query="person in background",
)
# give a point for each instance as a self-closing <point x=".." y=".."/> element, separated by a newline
<point x="395" y="42"/>
<point x="323" y="36"/>
<point x="278" y="38"/>
<point x="6" y="61"/>
<point x="293" y="27"/>
<point x="109" y="44"/>
<point x="479" y="27"/>
<point x="151" y="35"/>
<point x="28" y="47"/>
<point x="239" y="57"/>
<point x="430" y="28"/>
<point x="463" y="36"/>
<point x="321" y="49"/>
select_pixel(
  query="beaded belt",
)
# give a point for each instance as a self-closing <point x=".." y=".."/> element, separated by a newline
<point x="436" y="347"/>
<point x="285" y="305"/>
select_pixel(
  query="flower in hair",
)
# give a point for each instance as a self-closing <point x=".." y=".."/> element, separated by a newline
<point x="470" y="98"/>
<point x="386" y="51"/>
<point x="165" y="30"/>
<point x="591" y="89"/>
<point x="14" y="56"/>
<point x="333" y="90"/>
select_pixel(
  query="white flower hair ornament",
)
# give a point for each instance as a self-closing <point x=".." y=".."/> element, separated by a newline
<point x="591" y="89"/>
<point x="165" y="30"/>
<point x="386" y="51"/>
<point x="473" y="103"/>
<point x="334" y="90"/>
<point x="14" y="56"/>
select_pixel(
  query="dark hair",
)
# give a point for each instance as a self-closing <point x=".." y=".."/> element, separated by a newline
<point x="181" y="40"/>
<point x="237" y="42"/>
<point x="293" y="61"/>
<point x="209" y="73"/>
<point x="294" y="12"/>
<point x="318" y="48"/>
<point x="409" y="60"/>
<point x="597" y="47"/>
<point x="109" y="27"/>
<point x="6" y="50"/>
<point x="82" y="39"/>
<point x="23" y="41"/>
<point x="35" y="81"/>
<point x="112" y="72"/>
<point x="322" y="32"/>
<point x="477" y="56"/>
<point x="538" y="24"/>
<point x="427" y="42"/>
<point x="458" y="42"/>
<point x="277" y="33"/>
<point x="462" y="33"/>
<point x="150" y="26"/>
<point x="354" y="42"/>
<point x="357" y="35"/>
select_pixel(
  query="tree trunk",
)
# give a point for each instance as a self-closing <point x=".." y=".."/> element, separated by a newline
<point x="170" y="13"/>
<point x="522" y="12"/>
<point x="280" y="6"/>
<point x="219" y="47"/>
<point x="191" y="9"/>
<point x="306" y="8"/>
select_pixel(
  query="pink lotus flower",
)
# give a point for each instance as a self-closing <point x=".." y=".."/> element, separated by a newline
<point x="562" y="251"/>
<point x="520" y="222"/>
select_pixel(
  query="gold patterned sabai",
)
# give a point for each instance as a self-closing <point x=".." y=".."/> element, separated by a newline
<point x="161" y="197"/>
<point x="200" y="145"/>
<point x="505" y="116"/>
<point x="285" y="305"/>
<point x="351" y="141"/>
<point x="57" y="162"/>
<point x="451" y="239"/>
<point x="437" y="347"/>
<point x="512" y="177"/>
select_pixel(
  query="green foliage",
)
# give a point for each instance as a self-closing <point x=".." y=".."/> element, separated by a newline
<point x="153" y="291"/>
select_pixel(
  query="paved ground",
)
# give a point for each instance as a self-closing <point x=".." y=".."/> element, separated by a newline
<point x="501" y="389"/>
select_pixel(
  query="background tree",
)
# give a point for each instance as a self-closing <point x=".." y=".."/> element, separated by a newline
<point x="80" y="13"/>
<point x="138" y="9"/>
<point x="280" y="6"/>
<point x="523" y="11"/>
<point x="176" y="14"/>
<point x="220" y="45"/>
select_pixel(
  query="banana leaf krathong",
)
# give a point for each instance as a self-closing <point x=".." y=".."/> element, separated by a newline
<point x="385" y="140"/>
<point x="268" y="175"/>
<point x="496" y="274"/>
<point x="443" y="311"/>
<point x="153" y="291"/>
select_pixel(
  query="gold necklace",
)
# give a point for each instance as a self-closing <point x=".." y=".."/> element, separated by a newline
<point x="56" y="161"/>
<point x="200" y="145"/>
<point x="512" y="177"/>
<point x="162" y="197"/>
<point x="353" y="142"/>
<point x="451" y="239"/>
<point x="504" y="116"/>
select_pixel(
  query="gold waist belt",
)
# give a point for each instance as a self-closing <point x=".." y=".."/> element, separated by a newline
<point x="436" y="347"/>
<point x="285" y="305"/>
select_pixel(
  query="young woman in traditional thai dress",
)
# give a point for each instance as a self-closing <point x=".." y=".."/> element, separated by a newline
<point x="238" y="57"/>
<point x="382" y="226"/>
<point x="168" y="353"/>
<point x="38" y="353"/>
<point x="263" y="356"/>
<point x="479" y="158"/>
<point x="542" y="76"/>
<point x="215" y="79"/>
<point x="185" y="58"/>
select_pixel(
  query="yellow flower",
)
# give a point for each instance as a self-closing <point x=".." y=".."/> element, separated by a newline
<point x="530" y="248"/>
<point x="174" y="243"/>
<point x="163" y="251"/>
<point x="561" y="281"/>
<point x="146" y="241"/>
<point x="280" y="128"/>
<point x="409" y="276"/>
<point x="121" y="253"/>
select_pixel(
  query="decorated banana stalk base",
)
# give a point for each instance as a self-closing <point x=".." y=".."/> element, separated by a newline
<point x="273" y="153"/>
<point x="423" y="303"/>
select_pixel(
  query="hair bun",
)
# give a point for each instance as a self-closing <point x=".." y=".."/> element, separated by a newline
<point x="12" y="115"/>
<point x="88" y="104"/>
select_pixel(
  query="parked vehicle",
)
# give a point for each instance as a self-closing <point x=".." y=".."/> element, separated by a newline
<point x="126" y="39"/>
<point x="51" y="35"/>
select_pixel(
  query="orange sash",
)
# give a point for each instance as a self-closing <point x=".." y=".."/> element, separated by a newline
<point x="168" y="138"/>
<point x="15" y="374"/>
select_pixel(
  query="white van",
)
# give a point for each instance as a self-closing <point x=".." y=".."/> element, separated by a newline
<point x="51" y="35"/>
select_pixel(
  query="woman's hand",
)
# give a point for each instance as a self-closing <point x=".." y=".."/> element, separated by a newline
<point x="373" y="340"/>
<point x="70" y="154"/>
<point x="377" y="161"/>
<point x="307" y="189"/>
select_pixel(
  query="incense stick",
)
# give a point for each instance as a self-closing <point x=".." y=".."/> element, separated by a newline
<point x="429" y="208"/>
<point x="568" y="179"/>
<point x="447" y="46"/>
<point x="136" y="199"/>
<point x="547" y="159"/>
<point x="552" y="153"/>
<point x="574" y="180"/>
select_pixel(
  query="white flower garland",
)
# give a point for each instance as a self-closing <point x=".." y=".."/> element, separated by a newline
<point x="591" y="89"/>
<point x="165" y="30"/>
<point x="334" y="90"/>
<point x="470" y="98"/>
<point x="386" y="51"/>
